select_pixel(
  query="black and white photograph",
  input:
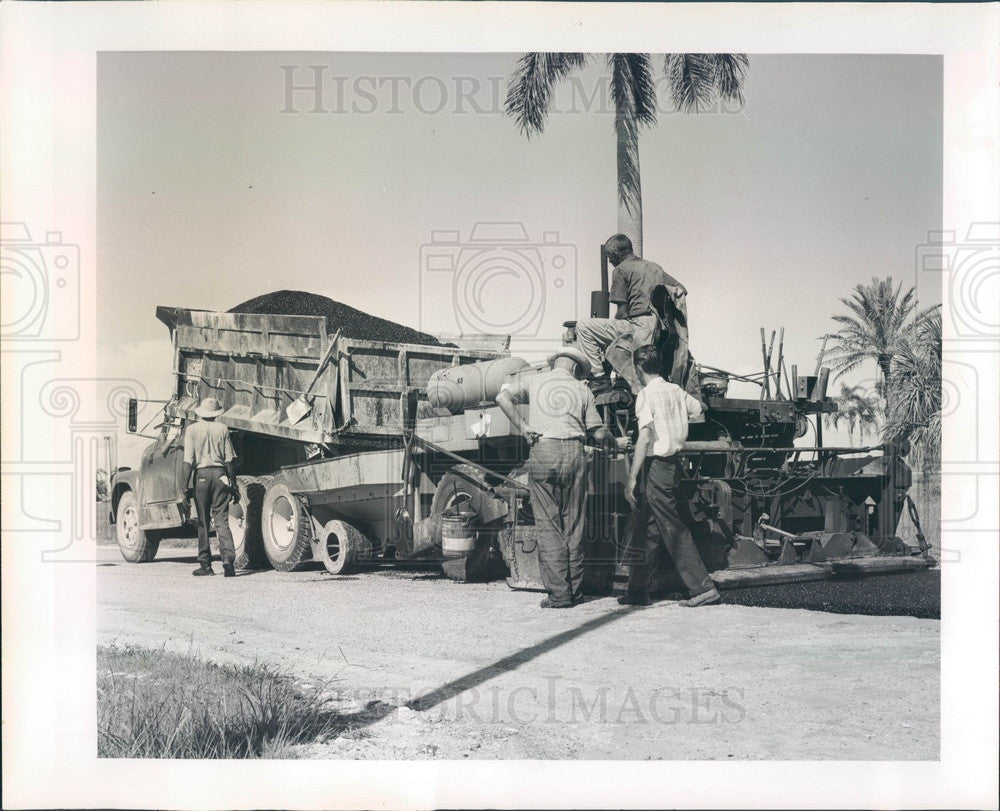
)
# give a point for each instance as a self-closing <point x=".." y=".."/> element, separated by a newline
<point x="410" y="409"/>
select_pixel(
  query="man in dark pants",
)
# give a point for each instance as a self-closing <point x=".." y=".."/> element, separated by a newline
<point x="208" y="453"/>
<point x="663" y="410"/>
<point x="562" y="414"/>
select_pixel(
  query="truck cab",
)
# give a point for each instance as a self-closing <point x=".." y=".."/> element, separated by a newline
<point x="146" y="501"/>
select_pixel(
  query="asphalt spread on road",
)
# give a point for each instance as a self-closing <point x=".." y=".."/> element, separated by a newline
<point x="913" y="594"/>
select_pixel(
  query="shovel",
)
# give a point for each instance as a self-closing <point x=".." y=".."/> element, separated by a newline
<point x="300" y="408"/>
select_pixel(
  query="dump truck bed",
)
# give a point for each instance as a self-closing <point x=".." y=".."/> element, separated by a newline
<point x="257" y="365"/>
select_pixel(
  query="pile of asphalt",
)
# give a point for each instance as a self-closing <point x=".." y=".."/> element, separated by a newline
<point x="353" y="322"/>
<point x="914" y="594"/>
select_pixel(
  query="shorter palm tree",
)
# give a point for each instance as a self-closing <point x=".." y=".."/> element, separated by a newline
<point x="858" y="408"/>
<point x="880" y="320"/>
<point x="913" y="413"/>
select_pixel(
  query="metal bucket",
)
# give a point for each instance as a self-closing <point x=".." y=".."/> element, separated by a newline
<point x="458" y="538"/>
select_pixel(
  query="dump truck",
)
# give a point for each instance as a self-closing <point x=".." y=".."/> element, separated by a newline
<point x="354" y="453"/>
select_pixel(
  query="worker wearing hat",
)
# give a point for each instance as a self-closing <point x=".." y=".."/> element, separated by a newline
<point x="562" y="414"/>
<point x="208" y="454"/>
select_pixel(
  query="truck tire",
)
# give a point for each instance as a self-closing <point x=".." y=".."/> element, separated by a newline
<point x="286" y="528"/>
<point x="343" y="548"/>
<point x="244" y="522"/>
<point x="466" y="485"/>
<point x="137" y="545"/>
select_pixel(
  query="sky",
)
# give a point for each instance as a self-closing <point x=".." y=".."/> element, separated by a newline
<point x="217" y="183"/>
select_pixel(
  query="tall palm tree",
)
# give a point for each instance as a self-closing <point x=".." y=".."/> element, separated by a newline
<point x="880" y="320"/>
<point x="695" y="82"/>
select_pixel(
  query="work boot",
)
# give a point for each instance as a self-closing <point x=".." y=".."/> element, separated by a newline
<point x="228" y="570"/>
<point x="705" y="598"/>
<point x="547" y="603"/>
<point x="634" y="599"/>
<point x="204" y="570"/>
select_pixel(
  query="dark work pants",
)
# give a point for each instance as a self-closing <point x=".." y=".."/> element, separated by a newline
<point x="557" y="479"/>
<point x="212" y="498"/>
<point x="658" y="522"/>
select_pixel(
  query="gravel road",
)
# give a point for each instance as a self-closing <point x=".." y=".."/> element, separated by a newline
<point x="422" y="667"/>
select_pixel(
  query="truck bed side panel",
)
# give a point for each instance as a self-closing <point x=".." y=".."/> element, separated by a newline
<point x="257" y="365"/>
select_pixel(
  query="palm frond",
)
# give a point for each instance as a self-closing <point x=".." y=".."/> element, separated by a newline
<point x="627" y="145"/>
<point x="691" y="79"/>
<point x="730" y="74"/>
<point x="529" y="89"/>
<point x="634" y="96"/>
<point x="632" y="86"/>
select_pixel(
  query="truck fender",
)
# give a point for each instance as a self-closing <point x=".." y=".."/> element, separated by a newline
<point x="123" y="480"/>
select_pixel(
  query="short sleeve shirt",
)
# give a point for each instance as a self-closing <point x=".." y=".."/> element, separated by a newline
<point x="207" y="444"/>
<point x="559" y="405"/>
<point x="633" y="282"/>
<point x="667" y="409"/>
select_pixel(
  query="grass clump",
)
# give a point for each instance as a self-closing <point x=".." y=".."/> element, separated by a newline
<point x="155" y="704"/>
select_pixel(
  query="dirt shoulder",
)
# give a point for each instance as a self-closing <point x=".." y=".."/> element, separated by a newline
<point x="422" y="667"/>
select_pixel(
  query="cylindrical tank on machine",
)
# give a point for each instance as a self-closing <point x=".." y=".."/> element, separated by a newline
<point x="458" y="538"/>
<point x="459" y="387"/>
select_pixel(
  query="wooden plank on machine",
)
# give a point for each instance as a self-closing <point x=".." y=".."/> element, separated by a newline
<point x="769" y="575"/>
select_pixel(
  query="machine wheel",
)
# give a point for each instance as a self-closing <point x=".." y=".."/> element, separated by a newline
<point x="342" y="548"/>
<point x="465" y="486"/>
<point x="286" y="528"/>
<point x="244" y="522"/>
<point x="137" y="545"/>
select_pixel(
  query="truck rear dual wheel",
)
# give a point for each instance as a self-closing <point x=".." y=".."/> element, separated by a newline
<point x="286" y="528"/>
<point x="343" y="548"/>
<point x="244" y="522"/>
<point x="136" y="545"/>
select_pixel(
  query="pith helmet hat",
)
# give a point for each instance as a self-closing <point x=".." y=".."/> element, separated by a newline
<point x="209" y="407"/>
<point x="573" y="354"/>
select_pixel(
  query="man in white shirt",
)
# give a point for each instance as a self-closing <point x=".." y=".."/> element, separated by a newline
<point x="663" y="410"/>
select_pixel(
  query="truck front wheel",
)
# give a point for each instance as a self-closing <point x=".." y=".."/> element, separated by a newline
<point x="286" y="528"/>
<point x="137" y="545"/>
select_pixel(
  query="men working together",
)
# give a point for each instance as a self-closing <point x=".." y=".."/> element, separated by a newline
<point x="649" y="304"/>
<point x="562" y="417"/>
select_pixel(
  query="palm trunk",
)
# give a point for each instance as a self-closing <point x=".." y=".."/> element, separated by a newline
<point x="885" y="364"/>
<point x="629" y="185"/>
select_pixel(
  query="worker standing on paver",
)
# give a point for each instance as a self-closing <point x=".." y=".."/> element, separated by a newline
<point x="562" y="415"/>
<point x="209" y="455"/>
<point x="663" y="411"/>
<point x="632" y="289"/>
